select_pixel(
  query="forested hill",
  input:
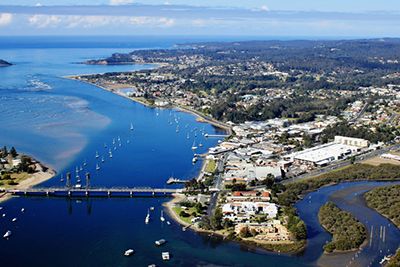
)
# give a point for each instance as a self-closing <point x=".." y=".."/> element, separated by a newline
<point x="383" y="54"/>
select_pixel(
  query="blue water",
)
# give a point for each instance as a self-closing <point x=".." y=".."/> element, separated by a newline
<point x="63" y="123"/>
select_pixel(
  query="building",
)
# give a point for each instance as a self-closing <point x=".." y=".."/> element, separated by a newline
<point x="358" y="142"/>
<point x="246" y="209"/>
<point x="323" y="154"/>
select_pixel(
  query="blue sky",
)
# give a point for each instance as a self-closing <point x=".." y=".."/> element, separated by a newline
<point x="323" y="18"/>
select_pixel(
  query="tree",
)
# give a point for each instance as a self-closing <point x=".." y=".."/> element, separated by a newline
<point x="216" y="220"/>
<point x="13" y="152"/>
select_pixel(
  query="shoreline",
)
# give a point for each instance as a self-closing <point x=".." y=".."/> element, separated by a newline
<point x="199" y="117"/>
<point x="33" y="180"/>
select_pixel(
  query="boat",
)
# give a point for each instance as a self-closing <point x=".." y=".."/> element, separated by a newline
<point x="78" y="179"/>
<point x="147" y="219"/>
<point x="160" y="242"/>
<point x="129" y="252"/>
<point x="119" y="139"/>
<point x="102" y="159"/>
<point x="78" y="186"/>
<point x="168" y="223"/>
<point x="76" y="169"/>
<point x="113" y="141"/>
<point x="4" y="215"/>
<point x="62" y="178"/>
<point x="151" y="265"/>
<point x="22" y="210"/>
<point x="131" y="127"/>
<point x="187" y="136"/>
<point x="151" y="208"/>
<point x="97" y="155"/>
<point x="194" y="147"/>
<point x="7" y="234"/>
<point x="97" y="167"/>
<point x="84" y="163"/>
<point x="194" y="160"/>
<point x="14" y="220"/>
<point x="385" y="259"/>
<point x="200" y="145"/>
<point x="162" y="216"/>
<point x="165" y="256"/>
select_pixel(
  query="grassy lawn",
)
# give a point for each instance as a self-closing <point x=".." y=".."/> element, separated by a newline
<point x="16" y="178"/>
<point x="178" y="210"/>
<point x="211" y="166"/>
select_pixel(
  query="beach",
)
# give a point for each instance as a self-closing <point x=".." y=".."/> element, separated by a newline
<point x="34" y="179"/>
<point x="115" y="88"/>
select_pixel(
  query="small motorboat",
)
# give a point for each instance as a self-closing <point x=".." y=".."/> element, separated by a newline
<point x="151" y="208"/>
<point x="129" y="252"/>
<point x="23" y="210"/>
<point x="168" y="223"/>
<point x="14" y="220"/>
<point x="165" y="256"/>
<point x="7" y="234"/>
<point x="160" y="242"/>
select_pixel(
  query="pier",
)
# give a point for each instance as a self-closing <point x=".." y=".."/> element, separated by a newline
<point x="173" y="180"/>
<point x="216" y="135"/>
<point x="94" y="192"/>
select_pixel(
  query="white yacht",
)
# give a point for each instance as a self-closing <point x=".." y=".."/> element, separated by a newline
<point x="7" y="234"/>
<point x="162" y="216"/>
<point x="152" y="208"/>
<point x="102" y="159"/>
<point x="147" y="219"/>
<point x="131" y="127"/>
<point x="194" y="160"/>
<point x="97" y="155"/>
<point x="160" y="242"/>
<point x="129" y="252"/>
<point x="194" y="147"/>
<point x="165" y="256"/>
<point x="22" y="210"/>
<point x="97" y="167"/>
<point x="14" y="220"/>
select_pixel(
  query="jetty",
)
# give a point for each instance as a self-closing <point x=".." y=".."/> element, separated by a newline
<point x="173" y="180"/>
<point x="115" y="192"/>
<point x="216" y="135"/>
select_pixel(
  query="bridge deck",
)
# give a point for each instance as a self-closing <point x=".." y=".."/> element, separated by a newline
<point x="95" y="192"/>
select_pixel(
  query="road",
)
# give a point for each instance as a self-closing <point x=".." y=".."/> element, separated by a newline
<point x="218" y="186"/>
<point x="343" y="163"/>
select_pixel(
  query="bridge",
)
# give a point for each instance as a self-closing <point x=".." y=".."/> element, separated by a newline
<point x="94" y="192"/>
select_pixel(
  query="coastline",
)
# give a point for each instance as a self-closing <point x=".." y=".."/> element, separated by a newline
<point x="34" y="179"/>
<point x="200" y="117"/>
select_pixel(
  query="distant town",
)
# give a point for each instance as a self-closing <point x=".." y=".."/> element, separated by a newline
<point x="291" y="113"/>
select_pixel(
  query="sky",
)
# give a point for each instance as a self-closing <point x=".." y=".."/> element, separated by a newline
<point x="311" y="18"/>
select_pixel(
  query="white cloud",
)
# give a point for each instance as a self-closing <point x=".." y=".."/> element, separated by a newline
<point x="44" y="21"/>
<point x="5" y="19"/>
<point x="120" y="2"/>
<point x="86" y="21"/>
<point x="155" y="21"/>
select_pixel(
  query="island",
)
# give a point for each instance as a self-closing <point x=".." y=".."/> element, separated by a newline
<point x="4" y="63"/>
<point x="19" y="171"/>
<point x="348" y="233"/>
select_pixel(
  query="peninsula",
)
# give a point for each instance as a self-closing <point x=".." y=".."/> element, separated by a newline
<point x="4" y="63"/>
<point x="301" y="115"/>
<point x="19" y="171"/>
